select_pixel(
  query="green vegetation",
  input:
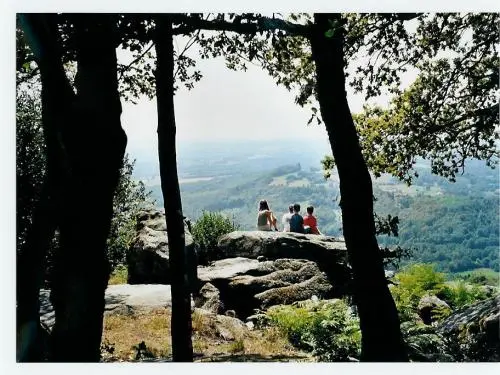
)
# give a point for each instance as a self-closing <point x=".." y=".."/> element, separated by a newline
<point x="328" y="329"/>
<point x="453" y="225"/>
<point x="412" y="283"/>
<point x="207" y="231"/>
<point x="481" y="276"/>
<point x="458" y="233"/>
<point x="130" y="195"/>
<point x="418" y="280"/>
<point x="119" y="275"/>
<point x="130" y="198"/>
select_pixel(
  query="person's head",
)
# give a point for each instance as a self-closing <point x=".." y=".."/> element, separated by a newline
<point x="290" y="208"/>
<point x="310" y="210"/>
<point x="263" y="205"/>
<point x="296" y="207"/>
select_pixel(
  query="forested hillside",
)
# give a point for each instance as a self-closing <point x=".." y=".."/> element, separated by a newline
<point x="454" y="225"/>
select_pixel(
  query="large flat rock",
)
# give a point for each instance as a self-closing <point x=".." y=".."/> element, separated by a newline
<point x="227" y="269"/>
<point x="123" y="299"/>
<point x="323" y="250"/>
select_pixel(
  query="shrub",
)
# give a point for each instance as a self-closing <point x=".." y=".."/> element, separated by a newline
<point x="412" y="283"/>
<point x="119" y="275"/>
<point x="460" y="293"/>
<point x="326" y="328"/>
<point x="206" y="232"/>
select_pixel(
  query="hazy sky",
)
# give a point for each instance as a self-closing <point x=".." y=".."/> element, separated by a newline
<point x="227" y="105"/>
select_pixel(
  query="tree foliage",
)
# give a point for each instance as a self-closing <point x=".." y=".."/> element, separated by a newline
<point x="447" y="114"/>
<point x="129" y="198"/>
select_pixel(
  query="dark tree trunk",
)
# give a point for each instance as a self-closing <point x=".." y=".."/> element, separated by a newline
<point x="182" y="348"/>
<point x="381" y="335"/>
<point x="57" y="99"/>
<point x="95" y="145"/>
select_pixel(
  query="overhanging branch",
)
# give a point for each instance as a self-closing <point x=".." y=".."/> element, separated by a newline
<point x="190" y="24"/>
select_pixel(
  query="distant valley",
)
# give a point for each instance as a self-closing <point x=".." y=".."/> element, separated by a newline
<point x="455" y="225"/>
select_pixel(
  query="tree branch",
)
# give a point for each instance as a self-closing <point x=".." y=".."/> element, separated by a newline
<point x="123" y="70"/>
<point x="401" y="16"/>
<point x="191" y="24"/>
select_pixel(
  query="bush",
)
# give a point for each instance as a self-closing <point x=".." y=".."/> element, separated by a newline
<point x="119" y="275"/>
<point x="326" y="328"/>
<point x="413" y="282"/>
<point x="460" y="293"/>
<point x="206" y="232"/>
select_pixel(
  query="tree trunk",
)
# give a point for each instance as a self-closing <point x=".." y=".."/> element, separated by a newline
<point x="381" y="335"/>
<point x="57" y="99"/>
<point x="95" y="145"/>
<point x="182" y="348"/>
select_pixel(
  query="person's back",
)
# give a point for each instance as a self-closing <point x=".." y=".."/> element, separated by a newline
<point x="296" y="221"/>
<point x="286" y="219"/>
<point x="310" y="221"/>
<point x="262" y="221"/>
<point x="265" y="218"/>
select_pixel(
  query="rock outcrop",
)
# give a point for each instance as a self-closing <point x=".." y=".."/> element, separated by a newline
<point x="475" y="329"/>
<point x="247" y="284"/>
<point x="430" y="307"/>
<point x="148" y="255"/>
<point x="258" y="269"/>
<point x="209" y="299"/>
<point x="119" y="299"/>
<point x="323" y="250"/>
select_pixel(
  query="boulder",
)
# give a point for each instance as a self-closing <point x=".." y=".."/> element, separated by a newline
<point x="475" y="314"/>
<point x="226" y="269"/>
<point x="323" y="250"/>
<point x="476" y="329"/>
<point x="148" y="255"/>
<point x="317" y="285"/>
<point x="247" y="284"/>
<point x="119" y="299"/>
<point x="222" y="326"/>
<point x="208" y="299"/>
<point x="430" y="307"/>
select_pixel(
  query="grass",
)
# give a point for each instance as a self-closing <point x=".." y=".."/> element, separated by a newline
<point x="124" y="332"/>
<point x="119" y="276"/>
<point x="127" y="331"/>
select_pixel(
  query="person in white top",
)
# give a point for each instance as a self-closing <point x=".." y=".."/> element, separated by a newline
<point x="286" y="219"/>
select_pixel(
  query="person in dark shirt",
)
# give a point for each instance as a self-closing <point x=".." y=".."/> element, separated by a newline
<point x="296" y="221"/>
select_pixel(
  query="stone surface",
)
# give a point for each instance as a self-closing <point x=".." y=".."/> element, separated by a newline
<point x="227" y="269"/>
<point x="476" y="330"/>
<point x="227" y="328"/>
<point x="209" y="299"/>
<point x="477" y="313"/>
<point x="247" y="284"/>
<point x="120" y="299"/>
<point x="317" y="285"/>
<point x="429" y="306"/>
<point x="148" y="255"/>
<point x="323" y="250"/>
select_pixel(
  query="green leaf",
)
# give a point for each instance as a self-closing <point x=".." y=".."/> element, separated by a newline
<point x="329" y="33"/>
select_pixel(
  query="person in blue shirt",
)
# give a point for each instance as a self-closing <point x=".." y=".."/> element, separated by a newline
<point x="296" y="221"/>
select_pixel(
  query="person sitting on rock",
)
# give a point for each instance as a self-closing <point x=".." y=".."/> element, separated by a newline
<point x="310" y="222"/>
<point x="266" y="220"/>
<point x="286" y="219"/>
<point x="296" y="221"/>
